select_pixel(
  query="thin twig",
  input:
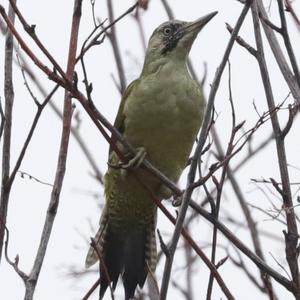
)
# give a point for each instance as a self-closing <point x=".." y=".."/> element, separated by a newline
<point x="220" y="184"/>
<point x="14" y="264"/>
<point x="290" y="9"/>
<point x="242" y="42"/>
<point x="29" y="137"/>
<point x="116" y="49"/>
<point x="23" y="174"/>
<point x="248" y="273"/>
<point x="242" y="247"/>
<point x="287" y="42"/>
<point x="168" y="9"/>
<point x="138" y="20"/>
<point x="194" y="245"/>
<point x="74" y="129"/>
<point x="91" y="290"/>
<point x="95" y="246"/>
<point x="189" y="269"/>
<point x="237" y="148"/>
<point x="276" y="49"/>
<point x="34" y="98"/>
<point x="95" y="40"/>
<point x="2" y="119"/>
<point x="271" y="25"/>
<point x="281" y="266"/>
<point x="293" y="110"/>
<point x="30" y="29"/>
<point x="51" y="74"/>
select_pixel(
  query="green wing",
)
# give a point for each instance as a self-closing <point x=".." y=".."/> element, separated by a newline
<point x="120" y="118"/>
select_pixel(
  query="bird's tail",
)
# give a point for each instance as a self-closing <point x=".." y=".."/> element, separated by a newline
<point x="131" y="254"/>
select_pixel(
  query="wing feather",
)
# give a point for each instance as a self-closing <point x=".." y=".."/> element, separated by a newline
<point x="119" y="123"/>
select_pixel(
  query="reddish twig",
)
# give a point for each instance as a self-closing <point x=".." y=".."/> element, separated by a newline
<point x="95" y="246"/>
<point x="30" y="29"/>
<point x="91" y="290"/>
<point x="61" y="164"/>
<point x="290" y="9"/>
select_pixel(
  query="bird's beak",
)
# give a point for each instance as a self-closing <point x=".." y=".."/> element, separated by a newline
<point x="197" y="25"/>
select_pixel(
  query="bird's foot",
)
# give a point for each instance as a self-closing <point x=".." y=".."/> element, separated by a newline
<point x="137" y="160"/>
<point x="177" y="200"/>
<point x="133" y="163"/>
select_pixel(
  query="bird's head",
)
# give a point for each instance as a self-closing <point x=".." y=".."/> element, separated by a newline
<point x="174" y="39"/>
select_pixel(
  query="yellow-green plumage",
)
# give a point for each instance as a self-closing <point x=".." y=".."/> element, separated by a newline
<point x="161" y="112"/>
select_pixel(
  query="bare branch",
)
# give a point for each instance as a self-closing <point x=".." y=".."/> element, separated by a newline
<point x="243" y="266"/>
<point x="289" y="8"/>
<point x="61" y="164"/>
<point x="91" y="290"/>
<point x="219" y="184"/>
<point x="242" y="247"/>
<point x="14" y="264"/>
<point x="116" y="50"/>
<point x="292" y="234"/>
<point x="31" y="177"/>
<point x="140" y="26"/>
<point x="281" y="61"/>
<point x="287" y="42"/>
<point x="293" y="110"/>
<point x="242" y="42"/>
<point x="29" y="137"/>
<point x="194" y="245"/>
<point x="30" y="29"/>
<point x="9" y="101"/>
<point x="2" y="119"/>
<point x="168" y="9"/>
<point x="95" y="246"/>
<point x="95" y="40"/>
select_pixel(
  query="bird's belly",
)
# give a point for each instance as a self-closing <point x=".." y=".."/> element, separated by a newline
<point x="167" y="128"/>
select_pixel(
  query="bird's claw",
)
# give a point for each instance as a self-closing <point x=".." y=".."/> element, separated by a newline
<point x="115" y="166"/>
<point x="133" y="163"/>
<point x="137" y="160"/>
<point x="177" y="200"/>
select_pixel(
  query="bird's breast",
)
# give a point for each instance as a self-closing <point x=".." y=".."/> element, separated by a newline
<point x="163" y="114"/>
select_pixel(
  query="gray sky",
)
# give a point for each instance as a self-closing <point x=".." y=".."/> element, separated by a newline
<point x="29" y="199"/>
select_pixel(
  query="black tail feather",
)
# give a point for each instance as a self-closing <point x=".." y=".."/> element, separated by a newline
<point x="111" y="266"/>
<point x="135" y="270"/>
<point x="124" y="255"/>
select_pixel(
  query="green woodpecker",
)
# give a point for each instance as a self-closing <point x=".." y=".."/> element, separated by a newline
<point x="160" y="114"/>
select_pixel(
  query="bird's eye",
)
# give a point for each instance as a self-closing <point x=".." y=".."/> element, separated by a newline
<point x="167" y="31"/>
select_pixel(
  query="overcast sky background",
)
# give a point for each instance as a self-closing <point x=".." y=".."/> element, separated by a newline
<point x="29" y="199"/>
